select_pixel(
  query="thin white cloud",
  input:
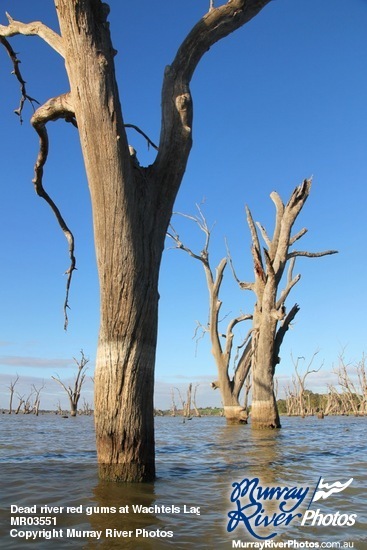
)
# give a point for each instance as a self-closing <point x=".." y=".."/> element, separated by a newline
<point x="38" y="362"/>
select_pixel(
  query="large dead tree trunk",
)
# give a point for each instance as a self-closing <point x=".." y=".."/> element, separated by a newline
<point x="131" y="207"/>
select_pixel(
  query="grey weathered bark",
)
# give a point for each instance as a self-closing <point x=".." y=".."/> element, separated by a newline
<point x="74" y="392"/>
<point x="131" y="207"/>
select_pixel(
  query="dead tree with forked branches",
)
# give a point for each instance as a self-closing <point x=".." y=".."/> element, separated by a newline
<point x="74" y="392"/>
<point x="12" y="389"/>
<point x="37" y="398"/>
<point x="270" y="320"/>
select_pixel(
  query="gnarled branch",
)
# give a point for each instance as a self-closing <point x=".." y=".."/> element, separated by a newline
<point x="53" y="109"/>
<point x="16" y="71"/>
<point x="36" y="28"/>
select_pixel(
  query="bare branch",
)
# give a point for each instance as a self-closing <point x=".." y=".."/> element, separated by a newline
<point x="177" y="112"/>
<point x="229" y="333"/>
<point x="35" y="28"/>
<point x="264" y="234"/>
<point x="291" y="211"/>
<point x="16" y="71"/>
<point x="298" y="235"/>
<point x="283" y="329"/>
<point x="137" y="129"/>
<point x="296" y="253"/>
<point x="53" y="109"/>
<point x="57" y="379"/>
<point x="243" y="285"/>
<point x="179" y="245"/>
<point x="291" y="282"/>
<point x="253" y="231"/>
<point x="279" y="216"/>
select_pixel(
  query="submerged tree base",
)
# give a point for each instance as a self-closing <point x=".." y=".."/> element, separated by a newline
<point x="235" y="414"/>
<point x="264" y="415"/>
<point x="140" y="473"/>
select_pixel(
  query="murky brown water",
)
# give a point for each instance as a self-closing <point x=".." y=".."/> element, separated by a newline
<point x="51" y="461"/>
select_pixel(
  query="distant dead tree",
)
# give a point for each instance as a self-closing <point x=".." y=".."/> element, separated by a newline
<point x="21" y="401"/>
<point x="261" y="347"/>
<point x="87" y="410"/>
<point x="74" y="392"/>
<point x="186" y="405"/>
<point x="352" y="381"/>
<point x="188" y="402"/>
<point x="37" y="399"/>
<point x="58" y="408"/>
<point x="297" y="400"/>
<point x="12" y="389"/>
<point x="28" y="403"/>
<point x="173" y="403"/>
<point x="197" y="412"/>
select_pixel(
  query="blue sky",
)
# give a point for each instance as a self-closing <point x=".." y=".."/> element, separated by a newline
<point x="283" y="98"/>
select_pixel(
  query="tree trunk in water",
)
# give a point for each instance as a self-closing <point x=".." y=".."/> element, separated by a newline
<point x="235" y="414"/>
<point x="233" y="411"/>
<point x="128" y="246"/>
<point x="264" y="410"/>
<point x="73" y="409"/>
<point x="131" y="211"/>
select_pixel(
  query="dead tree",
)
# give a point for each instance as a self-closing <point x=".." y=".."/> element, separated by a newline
<point x="58" y="408"/>
<point x="270" y="318"/>
<point x="21" y="401"/>
<point x="197" y="412"/>
<point x="12" y="389"/>
<point x="28" y="403"/>
<point x="131" y="205"/>
<point x="87" y="410"/>
<point x="353" y="393"/>
<point x="188" y="402"/>
<point x="230" y="388"/>
<point x="270" y="321"/>
<point x="37" y="399"/>
<point x="332" y="401"/>
<point x="301" y="408"/>
<point x="74" y="392"/>
<point x="183" y="403"/>
<point x="173" y="403"/>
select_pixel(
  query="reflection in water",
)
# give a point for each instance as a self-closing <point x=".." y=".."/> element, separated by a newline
<point x="48" y="461"/>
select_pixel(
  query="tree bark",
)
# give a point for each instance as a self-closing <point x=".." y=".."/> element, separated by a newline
<point x="264" y="410"/>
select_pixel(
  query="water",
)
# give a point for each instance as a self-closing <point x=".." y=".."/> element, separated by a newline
<point x="48" y="460"/>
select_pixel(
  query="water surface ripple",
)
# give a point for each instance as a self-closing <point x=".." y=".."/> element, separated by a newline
<point x="51" y="460"/>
